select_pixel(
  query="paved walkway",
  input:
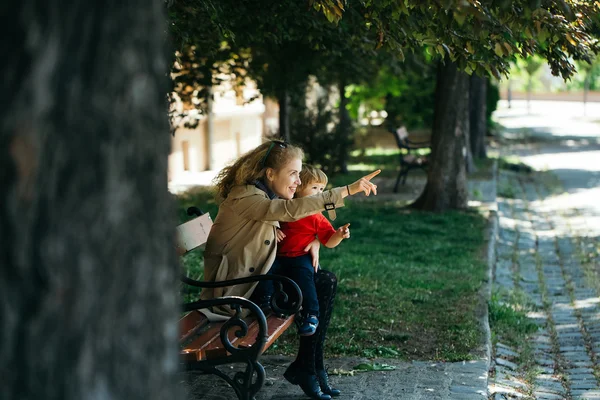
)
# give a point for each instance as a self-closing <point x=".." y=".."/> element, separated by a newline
<point x="548" y="250"/>
<point x="410" y="380"/>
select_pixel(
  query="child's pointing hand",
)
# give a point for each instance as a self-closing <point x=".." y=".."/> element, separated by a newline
<point x="344" y="231"/>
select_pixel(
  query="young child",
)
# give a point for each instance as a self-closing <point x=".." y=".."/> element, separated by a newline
<point x="293" y="237"/>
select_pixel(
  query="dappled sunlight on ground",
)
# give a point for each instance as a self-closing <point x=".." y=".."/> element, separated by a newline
<point x="558" y="119"/>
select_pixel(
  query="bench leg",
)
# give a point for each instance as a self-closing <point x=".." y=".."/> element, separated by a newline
<point x="401" y="177"/>
<point x="398" y="181"/>
<point x="246" y="383"/>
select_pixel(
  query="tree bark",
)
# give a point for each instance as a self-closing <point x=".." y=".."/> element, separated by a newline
<point x="586" y="90"/>
<point x="88" y="283"/>
<point x="469" y="163"/>
<point x="446" y="187"/>
<point x="210" y="130"/>
<point x="477" y="116"/>
<point x="529" y="89"/>
<point x="283" y="99"/>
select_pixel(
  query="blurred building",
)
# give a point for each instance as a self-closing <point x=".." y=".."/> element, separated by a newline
<point x="238" y="121"/>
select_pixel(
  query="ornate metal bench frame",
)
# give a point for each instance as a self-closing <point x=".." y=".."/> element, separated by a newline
<point x="247" y="383"/>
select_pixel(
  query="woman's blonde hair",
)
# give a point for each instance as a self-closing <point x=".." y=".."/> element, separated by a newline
<point x="311" y="174"/>
<point x="253" y="165"/>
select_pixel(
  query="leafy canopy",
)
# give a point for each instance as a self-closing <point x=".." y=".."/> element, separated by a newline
<point x="484" y="35"/>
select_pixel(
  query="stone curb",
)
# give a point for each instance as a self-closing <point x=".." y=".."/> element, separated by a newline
<point x="484" y="352"/>
<point x="486" y="290"/>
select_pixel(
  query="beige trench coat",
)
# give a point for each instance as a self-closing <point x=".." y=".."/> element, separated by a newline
<point x="242" y="240"/>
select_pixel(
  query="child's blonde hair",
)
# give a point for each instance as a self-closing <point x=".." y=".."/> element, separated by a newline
<point x="311" y="174"/>
<point x="253" y="165"/>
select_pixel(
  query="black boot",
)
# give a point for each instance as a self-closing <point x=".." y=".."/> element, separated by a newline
<point x="307" y="382"/>
<point x="291" y="374"/>
<point x="323" y="379"/>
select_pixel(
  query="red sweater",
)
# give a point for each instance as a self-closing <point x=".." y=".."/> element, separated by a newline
<point x="300" y="233"/>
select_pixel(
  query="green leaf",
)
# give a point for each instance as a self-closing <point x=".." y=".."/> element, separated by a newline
<point x="498" y="49"/>
<point x="543" y="35"/>
<point x="459" y="17"/>
<point x="469" y="48"/>
<point x="440" y="50"/>
<point x="495" y="72"/>
<point x="400" y="54"/>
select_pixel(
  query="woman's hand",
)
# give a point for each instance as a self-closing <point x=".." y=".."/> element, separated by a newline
<point x="364" y="184"/>
<point x="313" y="248"/>
<point x="280" y="235"/>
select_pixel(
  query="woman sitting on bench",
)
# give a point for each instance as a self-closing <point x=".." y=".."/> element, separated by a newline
<point x="256" y="192"/>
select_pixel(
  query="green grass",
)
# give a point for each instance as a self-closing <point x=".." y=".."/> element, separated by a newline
<point x="508" y="318"/>
<point x="511" y="326"/>
<point x="507" y="191"/>
<point x="408" y="282"/>
<point x="361" y="164"/>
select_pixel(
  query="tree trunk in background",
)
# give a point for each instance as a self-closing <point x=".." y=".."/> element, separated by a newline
<point x="586" y="90"/>
<point x="344" y="129"/>
<point x="210" y="129"/>
<point x="477" y="116"/>
<point x="509" y="93"/>
<point x="283" y="98"/>
<point x="88" y="283"/>
<point x="529" y="89"/>
<point x="469" y="163"/>
<point x="446" y="187"/>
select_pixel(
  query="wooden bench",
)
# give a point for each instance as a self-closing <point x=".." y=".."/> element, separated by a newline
<point x="409" y="157"/>
<point x="207" y="345"/>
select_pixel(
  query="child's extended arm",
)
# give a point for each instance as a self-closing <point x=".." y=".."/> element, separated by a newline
<point x="343" y="232"/>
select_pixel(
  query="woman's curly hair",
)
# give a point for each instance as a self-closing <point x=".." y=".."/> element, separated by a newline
<point x="253" y="165"/>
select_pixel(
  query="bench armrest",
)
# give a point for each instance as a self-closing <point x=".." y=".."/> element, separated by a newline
<point x="413" y="145"/>
<point x="279" y="303"/>
<point x="417" y="145"/>
<point x="404" y="142"/>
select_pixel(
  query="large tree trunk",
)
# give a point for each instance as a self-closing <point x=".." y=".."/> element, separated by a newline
<point x="88" y="279"/>
<point x="446" y="187"/>
<point x="477" y="114"/>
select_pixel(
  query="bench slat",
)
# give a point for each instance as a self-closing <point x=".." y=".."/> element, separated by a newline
<point x="414" y="160"/>
<point x="196" y="350"/>
<point x="275" y="327"/>
<point x="190" y="324"/>
<point x="209" y="345"/>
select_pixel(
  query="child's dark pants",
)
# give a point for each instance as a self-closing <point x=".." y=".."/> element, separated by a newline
<point x="300" y="270"/>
